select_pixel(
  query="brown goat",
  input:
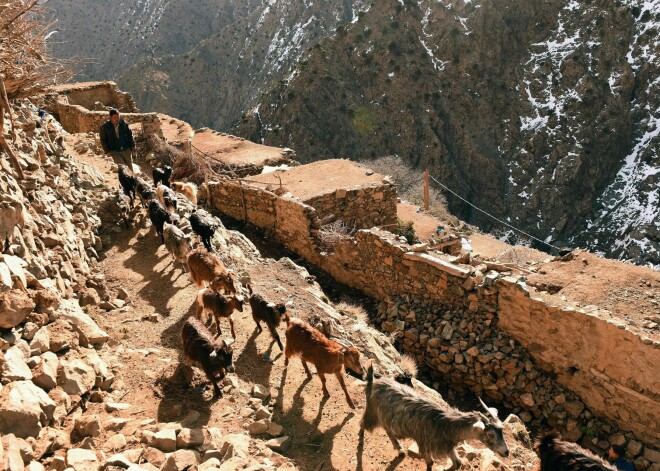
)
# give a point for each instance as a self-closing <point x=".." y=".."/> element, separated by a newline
<point x="219" y="306"/>
<point x="206" y="267"/>
<point x="199" y="349"/>
<point x="329" y="357"/>
<point x="270" y="313"/>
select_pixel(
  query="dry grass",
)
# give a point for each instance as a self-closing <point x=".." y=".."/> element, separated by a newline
<point x="353" y="311"/>
<point x="333" y="233"/>
<point x="410" y="186"/>
<point x="26" y="67"/>
<point x="409" y="365"/>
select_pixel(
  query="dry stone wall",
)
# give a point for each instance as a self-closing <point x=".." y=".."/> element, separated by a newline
<point x="88" y="94"/>
<point x="361" y="208"/>
<point x="476" y="328"/>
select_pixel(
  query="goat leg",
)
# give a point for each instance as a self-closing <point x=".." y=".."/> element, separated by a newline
<point x="397" y="445"/>
<point x="340" y="378"/>
<point x="455" y="460"/>
<point x="325" y="389"/>
<point x="276" y="336"/>
<point x="309" y="373"/>
<point x="217" y="324"/>
<point x="231" y="324"/>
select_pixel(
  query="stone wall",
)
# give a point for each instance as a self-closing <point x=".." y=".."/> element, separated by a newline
<point x="77" y="119"/>
<point x="471" y="326"/>
<point x="361" y="207"/>
<point x="89" y="93"/>
<point x="616" y="372"/>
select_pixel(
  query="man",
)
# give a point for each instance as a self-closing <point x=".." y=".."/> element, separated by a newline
<point x="617" y="455"/>
<point x="117" y="139"/>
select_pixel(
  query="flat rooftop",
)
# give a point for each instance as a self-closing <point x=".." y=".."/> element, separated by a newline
<point x="234" y="151"/>
<point x="174" y="130"/>
<point x="79" y="86"/>
<point x="322" y="177"/>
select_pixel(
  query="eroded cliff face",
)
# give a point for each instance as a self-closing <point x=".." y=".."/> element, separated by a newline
<point x="543" y="114"/>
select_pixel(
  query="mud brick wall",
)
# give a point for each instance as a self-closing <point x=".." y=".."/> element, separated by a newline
<point x="77" y="119"/>
<point x="615" y="371"/>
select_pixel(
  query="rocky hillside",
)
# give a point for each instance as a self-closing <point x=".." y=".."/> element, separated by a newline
<point x="544" y="114"/>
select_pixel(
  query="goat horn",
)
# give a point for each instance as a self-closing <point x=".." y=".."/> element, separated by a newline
<point x="487" y="409"/>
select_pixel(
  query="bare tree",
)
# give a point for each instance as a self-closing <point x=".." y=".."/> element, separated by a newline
<point x="26" y="68"/>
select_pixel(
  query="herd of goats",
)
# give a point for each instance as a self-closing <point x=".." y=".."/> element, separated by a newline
<point x="391" y="403"/>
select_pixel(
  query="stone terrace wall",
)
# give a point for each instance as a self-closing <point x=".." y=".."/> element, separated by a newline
<point x="375" y="262"/>
<point x="77" y="119"/>
<point x="87" y="94"/>
<point x="616" y="372"/>
<point x="363" y="207"/>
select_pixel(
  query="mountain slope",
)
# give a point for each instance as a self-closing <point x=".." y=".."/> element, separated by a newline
<point x="212" y="83"/>
<point x="111" y="37"/>
<point x="542" y="114"/>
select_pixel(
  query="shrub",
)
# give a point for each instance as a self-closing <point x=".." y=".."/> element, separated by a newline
<point x="407" y="229"/>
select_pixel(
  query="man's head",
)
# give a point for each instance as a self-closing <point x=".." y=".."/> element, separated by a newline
<point x="114" y="116"/>
<point x="617" y="451"/>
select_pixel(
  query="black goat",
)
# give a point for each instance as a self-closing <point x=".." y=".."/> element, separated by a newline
<point x="162" y="175"/>
<point x="144" y="191"/>
<point x="271" y="313"/>
<point x="159" y="216"/>
<point x="558" y="455"/>
<point x="128" y="183"/>
<point x="204" y="228"/>
<point x="199" y="349"/>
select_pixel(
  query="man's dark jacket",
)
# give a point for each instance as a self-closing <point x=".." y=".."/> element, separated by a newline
<point x="109" y="140"/>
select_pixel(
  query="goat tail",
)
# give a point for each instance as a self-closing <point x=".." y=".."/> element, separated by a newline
<point x="547" y="440"/>
<point x="286" y="318"/>
<point x="370" y="377"/>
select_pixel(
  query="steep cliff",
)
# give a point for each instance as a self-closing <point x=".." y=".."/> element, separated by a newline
<point x="109" y="38"/>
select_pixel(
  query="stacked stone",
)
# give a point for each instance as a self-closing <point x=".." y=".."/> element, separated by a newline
<point x="48" y="345"/>
<point x="361" y="207"/>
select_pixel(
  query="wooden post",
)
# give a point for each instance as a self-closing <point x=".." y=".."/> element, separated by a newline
<point x="426" y="189"/>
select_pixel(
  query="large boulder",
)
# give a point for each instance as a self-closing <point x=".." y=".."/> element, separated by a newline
<point x="14" y="307"/>
<point x="81" y="459"/>
<point x="45" y="373"/>
<point x="24" y="409"/>
<point x="76" y="377"/>
<point x="90" y="333"/>
<point x="15" y="368"/>
<point x="61" y="335"/>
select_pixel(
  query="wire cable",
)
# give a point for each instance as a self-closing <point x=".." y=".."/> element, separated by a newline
<point x="491" y="216"/>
